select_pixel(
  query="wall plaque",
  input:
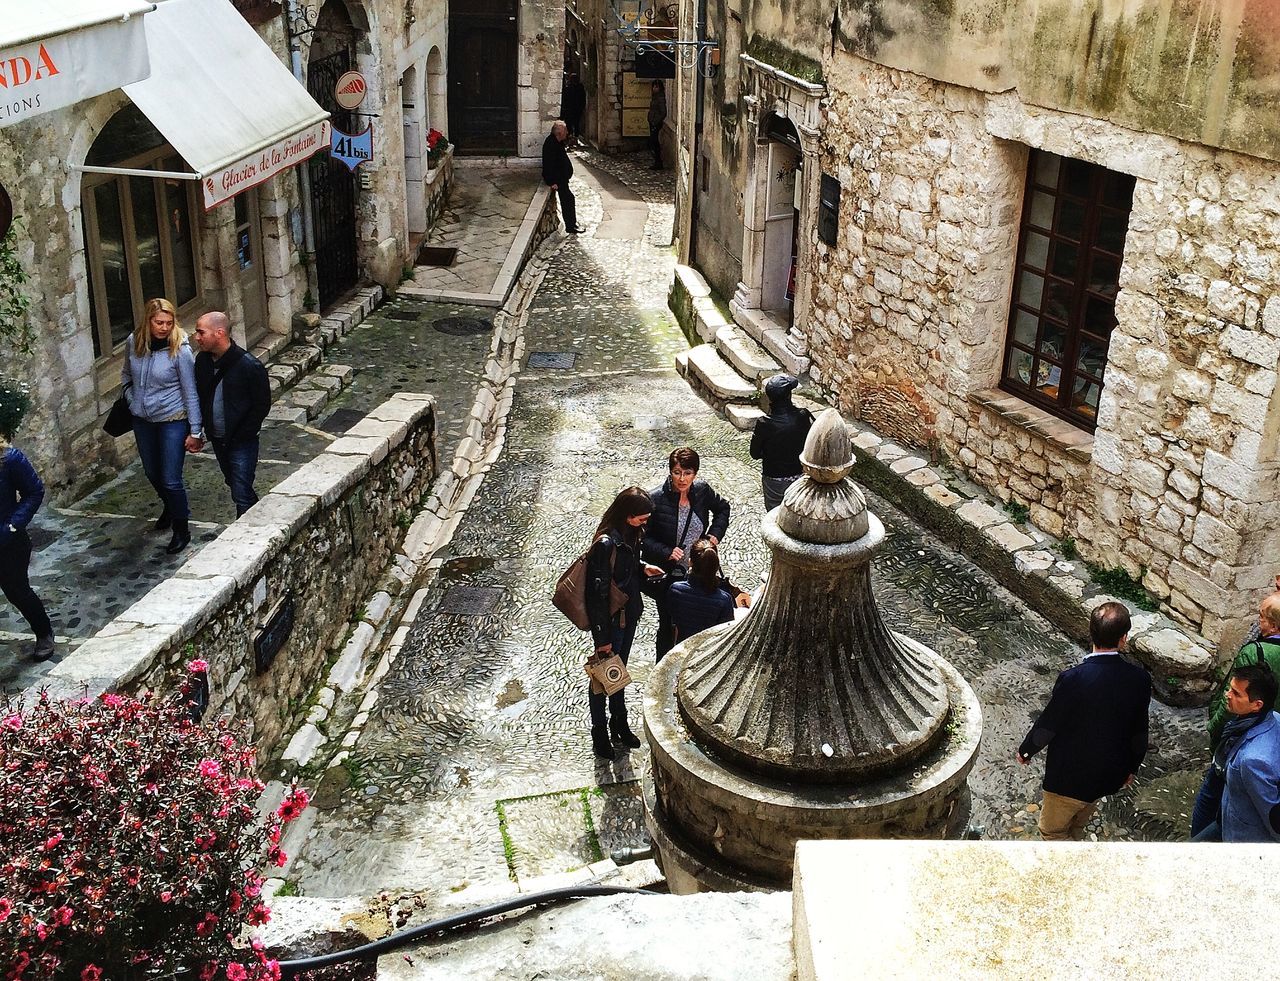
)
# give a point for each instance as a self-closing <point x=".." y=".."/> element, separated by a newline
<point x="273" y="634"/>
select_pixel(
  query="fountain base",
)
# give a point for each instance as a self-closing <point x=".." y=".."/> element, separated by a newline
<point x="718" y="828"/>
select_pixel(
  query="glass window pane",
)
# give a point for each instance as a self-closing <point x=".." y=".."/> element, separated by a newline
<point x="1047" y="168"/>
<point x="181" y="242"/>
<point x="1030" y="289"/>
<point x="1084" y="399"/>
<point x="1025" y="326"/>
<point x="1112" y="226"/>
<point x="1104" y="274"/>
<point x="115" y="271"/>
<point x="1058" y="302"/>
<point x="1093" y="355"/>
<point x="1099" y="316"/>
<point x="127" y="134"/>
<point x="1117" y="190"/>
<point x="1071" y="219"/>
<point x="1066" y="259"/>
<point x="1076" y="178"/>
<point x="1053" y="342"/>
<point x="1041" y="210"/>
<point x="1019" y="366"/>
<point x="1048" y="377"/>
<point x="146" y="231"/>
<point x="1037" y="251"/>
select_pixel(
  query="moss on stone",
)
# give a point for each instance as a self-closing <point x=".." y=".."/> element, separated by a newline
<point x="773" y="52"/>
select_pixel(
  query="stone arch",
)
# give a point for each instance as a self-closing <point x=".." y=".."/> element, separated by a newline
<point x="437" y="92"/>
<point x="415" y="120"/>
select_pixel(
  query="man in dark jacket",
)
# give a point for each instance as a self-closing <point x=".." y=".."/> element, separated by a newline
<point x="557" y="168"/>
<point x="235" y="397"/>
<point x="1095" y="726"/>
<point x="778" y="439"/>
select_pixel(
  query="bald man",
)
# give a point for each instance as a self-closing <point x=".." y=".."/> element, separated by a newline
<point x="235" y="396"/>
<point x="557" y="168"/>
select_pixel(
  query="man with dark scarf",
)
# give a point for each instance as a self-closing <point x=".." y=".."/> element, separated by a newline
<point x="1248" y="758"/>
<point x="779" y="439"/>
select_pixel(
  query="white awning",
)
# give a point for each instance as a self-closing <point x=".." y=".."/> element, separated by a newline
<point x="54" y="53"/>
<point x="223" y="99"/>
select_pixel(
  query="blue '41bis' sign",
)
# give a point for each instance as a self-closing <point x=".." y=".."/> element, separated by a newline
<point x="352" y="149"/>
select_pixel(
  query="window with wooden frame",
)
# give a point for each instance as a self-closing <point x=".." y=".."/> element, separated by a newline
<point x="1070" y="247"/>
<point x="140" y="234"/>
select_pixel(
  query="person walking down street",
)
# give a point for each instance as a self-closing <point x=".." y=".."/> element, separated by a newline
<point x="1095" y="728"/>
<point x="1264" y="649"/>
<point x="657" y="116"/>
<point x="684" y="510"/>
<point x="614" y="557"/>
<point x="702" y="600"/>
<point x="573" y="103"/>
<point x="1249" y="755"/>
<point x="778" y="439"/>
<point x="235" y="395"/>
<point x="158" y="379"/>
<point x="557" y="169"/>
<point x="21" y="492"/>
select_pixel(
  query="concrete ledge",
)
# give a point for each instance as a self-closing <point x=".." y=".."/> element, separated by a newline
<point x="980" y="910"/>
<point x="317" y="544"/>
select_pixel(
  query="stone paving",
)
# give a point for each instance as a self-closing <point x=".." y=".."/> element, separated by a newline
<point x="475" y="770"/>
<point x="486" y="206"/>
<point x="98" y="555"/>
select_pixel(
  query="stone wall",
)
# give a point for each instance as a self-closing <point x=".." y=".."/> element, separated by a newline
<point x="322" y="537"/>
<point x="1179" y="484"/>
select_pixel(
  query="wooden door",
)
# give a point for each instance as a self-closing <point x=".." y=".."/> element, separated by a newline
<point x="483" y="39"/>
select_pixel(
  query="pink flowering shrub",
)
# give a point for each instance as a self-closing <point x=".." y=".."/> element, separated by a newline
<point x="130" y="842"/>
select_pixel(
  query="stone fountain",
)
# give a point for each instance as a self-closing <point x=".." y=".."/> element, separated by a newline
<point x="809" y="718"/>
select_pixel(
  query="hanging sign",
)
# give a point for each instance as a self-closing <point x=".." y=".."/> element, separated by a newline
<point x="266" y="163"/>
<point x="350" y="90"/>
<point x="352" y="149"/>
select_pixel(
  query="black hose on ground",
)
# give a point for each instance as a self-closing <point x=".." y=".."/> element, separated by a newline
<point x="290" y="969"/>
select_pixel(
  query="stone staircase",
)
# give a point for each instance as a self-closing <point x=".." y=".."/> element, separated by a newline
<point x="736" y="357"/>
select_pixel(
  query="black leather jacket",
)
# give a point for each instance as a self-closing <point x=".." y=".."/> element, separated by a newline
<point x="778" y="441"/>
<point x="660" y="536"/>
<point x="246" y="392"/>
<point x="627" y="576"/>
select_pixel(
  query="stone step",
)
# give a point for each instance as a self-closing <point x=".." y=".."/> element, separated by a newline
<point x="747" y="357"/>
<point x="719" y="377"/>
<point x="742" y="416"/>
<point x="770" y="332"/>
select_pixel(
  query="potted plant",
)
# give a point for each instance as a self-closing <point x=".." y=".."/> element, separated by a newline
<point x="437" y="144"/>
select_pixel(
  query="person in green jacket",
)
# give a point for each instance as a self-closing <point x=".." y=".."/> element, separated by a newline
<point x="1265" y="649"/>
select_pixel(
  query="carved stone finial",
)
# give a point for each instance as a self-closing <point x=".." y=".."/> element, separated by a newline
<point x="823" y="507"/>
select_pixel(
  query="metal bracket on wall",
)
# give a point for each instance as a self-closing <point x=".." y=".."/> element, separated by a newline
<point x="654" y="30"/>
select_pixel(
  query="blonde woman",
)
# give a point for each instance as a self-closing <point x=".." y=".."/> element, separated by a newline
<point x="21" y="492"/>
<point x="160" y="383"/>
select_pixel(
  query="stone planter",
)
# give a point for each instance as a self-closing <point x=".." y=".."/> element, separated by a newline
<point x="437" y="181"/>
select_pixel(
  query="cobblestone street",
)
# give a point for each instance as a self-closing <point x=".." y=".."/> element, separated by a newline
<point x="475" y="768"/>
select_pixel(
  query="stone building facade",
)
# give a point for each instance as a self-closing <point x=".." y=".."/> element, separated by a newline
<point x="97" y="246"/>
<point x="1041" y="241"/>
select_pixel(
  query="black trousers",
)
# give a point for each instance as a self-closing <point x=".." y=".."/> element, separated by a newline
<point x="655" y="143"/>
<point x="568" y="205"/>
<point x="617" y="702"/>
<point x="15" y="561"/>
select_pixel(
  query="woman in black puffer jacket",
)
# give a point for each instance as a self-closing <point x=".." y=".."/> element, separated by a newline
<point x="684" y="510"/>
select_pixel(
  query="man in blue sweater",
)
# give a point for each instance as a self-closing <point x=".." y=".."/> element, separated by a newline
<point x="1249" y="755"/>
<point x="1095" y="728"/>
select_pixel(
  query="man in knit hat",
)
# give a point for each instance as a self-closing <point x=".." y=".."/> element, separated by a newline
<point x="779" y="439"/>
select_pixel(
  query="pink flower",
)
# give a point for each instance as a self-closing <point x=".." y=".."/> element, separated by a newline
<point x="52" y="843"/>
<point x="208" y="970"/>
<point x="62" y="915"/>
<point x="234" y="901"/>
<point x="91" y="973"/>
<point x="210" y="768"/>
<point x="258" y="915"/>
<point x="293" y="805"/>
<point x="205" y="926"/>
<point x="198" y="666"/>
<point x="6" y="907"/>
<point x="236" y="972"/>
<point x="277" y="856"/>
<point x="11" y="722"/>
<point x="111" y="700"/>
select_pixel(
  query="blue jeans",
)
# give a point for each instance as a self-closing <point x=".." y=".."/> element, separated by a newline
<point x="239" y="463"/>
<point x="161" y="449"/>
<point x="621" y="639"/>
<point x="1208" y="803"/>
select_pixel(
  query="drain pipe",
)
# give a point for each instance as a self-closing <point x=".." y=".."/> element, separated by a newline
<point x="700" y="89"/>
<point x="289" y="969"/>
<point x="292" y="15"/>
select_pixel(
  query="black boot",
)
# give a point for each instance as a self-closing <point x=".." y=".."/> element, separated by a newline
<point x="622" y="733"/>
<point x="600" y="743"/>
<point x="165" y="521"/>
<point x="181" y="536"/>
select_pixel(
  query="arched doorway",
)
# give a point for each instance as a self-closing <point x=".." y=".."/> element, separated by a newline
<point x="437" y="93"/>
<point x="333" y="186"/>
<point x="781" y="217"/>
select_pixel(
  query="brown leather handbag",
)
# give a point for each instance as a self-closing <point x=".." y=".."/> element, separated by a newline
<point x="607" y="673"/>
<point x="570" y="597"/>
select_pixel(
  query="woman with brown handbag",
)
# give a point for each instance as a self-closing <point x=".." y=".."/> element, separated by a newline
<point x="614" y="558"/>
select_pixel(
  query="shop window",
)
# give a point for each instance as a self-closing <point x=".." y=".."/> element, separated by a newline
<point x="1070" y="247"/>
<point x="140" y="235"/>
